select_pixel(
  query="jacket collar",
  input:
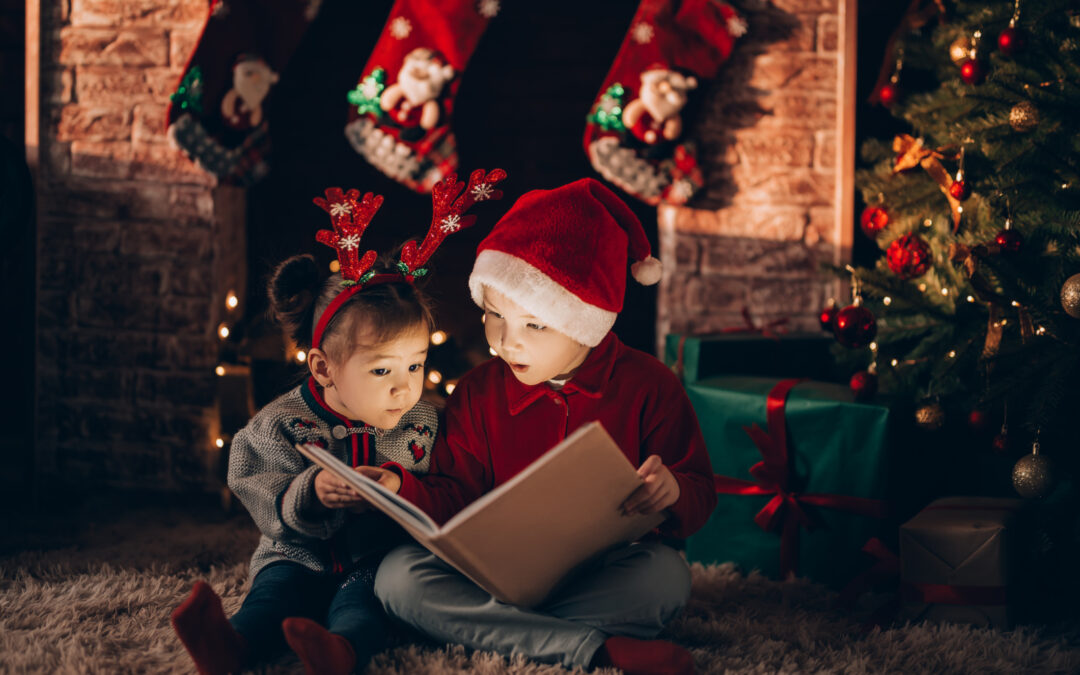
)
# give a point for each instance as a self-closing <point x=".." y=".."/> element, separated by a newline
<point x="590" y="379"/>
<point x="314" y="398"/>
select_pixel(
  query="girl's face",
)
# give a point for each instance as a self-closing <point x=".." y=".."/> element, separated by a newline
<point x="378" y="383"/>
<point x="534" y="352"/>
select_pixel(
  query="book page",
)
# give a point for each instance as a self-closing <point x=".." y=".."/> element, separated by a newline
<point x="526" y="535"/>
<point x="402" y="511"/>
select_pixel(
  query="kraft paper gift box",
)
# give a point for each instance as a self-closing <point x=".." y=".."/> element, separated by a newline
<point x="812" y="504"/>
<point x="956" y="559"/>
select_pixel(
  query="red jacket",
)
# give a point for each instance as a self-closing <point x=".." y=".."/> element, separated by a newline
<point x="495" y="427"/>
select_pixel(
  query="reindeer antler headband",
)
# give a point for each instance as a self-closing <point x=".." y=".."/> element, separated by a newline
<point x="349" y="217"/>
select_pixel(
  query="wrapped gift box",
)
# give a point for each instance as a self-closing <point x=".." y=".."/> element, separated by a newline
<point x="956" y="559"/>
<point x="745" y="353"/>
<point x="837" y="470"/>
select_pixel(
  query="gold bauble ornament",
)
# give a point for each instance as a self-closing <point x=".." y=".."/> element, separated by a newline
<point x="1024" y="116"/>
<point x="1033" y="475"/>
<point x="930" y="417"/>
<point x="1070" y="296"/>
<point x="335" y="267"/>
<point x="960" y="50"/>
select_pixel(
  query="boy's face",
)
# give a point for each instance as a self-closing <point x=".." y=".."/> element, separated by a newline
<point x="535" y="353"/>
<point x="378" y="383"/>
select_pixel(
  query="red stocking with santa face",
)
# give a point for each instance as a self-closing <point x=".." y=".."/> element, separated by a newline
<point x="218" y="114"/>
<point x="635" y="135"/>
<point x="400" y="110"/>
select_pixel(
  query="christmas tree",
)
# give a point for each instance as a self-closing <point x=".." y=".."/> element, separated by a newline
<point x="977" y="211"/>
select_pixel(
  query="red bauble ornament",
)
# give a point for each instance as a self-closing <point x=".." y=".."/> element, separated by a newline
<point x="909" y="256"/>
<point x="1009" y="241"/>
<point x="972" y="72"/>
<point x="1000" y="444"/>
<point x="979" y="420"/>
<point x="827" y="316"/>
<point x="874" y="219"/>
<point x="855" y="326"/>
<point x="864" y="385"/>
<point x="960" y="189"/>
<point x="889" y="94"/>
<point x="1011" y="41"/>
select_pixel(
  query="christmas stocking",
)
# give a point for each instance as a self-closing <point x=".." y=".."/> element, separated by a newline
<point x="218" y="113"/>
<point x="400" y="110"/>
<point x="635" y="132"/>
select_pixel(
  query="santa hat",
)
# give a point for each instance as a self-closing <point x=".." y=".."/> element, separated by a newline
<point x="561" y="255"/>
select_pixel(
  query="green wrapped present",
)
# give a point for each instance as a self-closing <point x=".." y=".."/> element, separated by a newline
<point x="801" y="476"/>
<point x="762" y="354"/>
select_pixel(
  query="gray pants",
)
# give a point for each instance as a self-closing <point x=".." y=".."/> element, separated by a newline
<point x="633" y="591"/>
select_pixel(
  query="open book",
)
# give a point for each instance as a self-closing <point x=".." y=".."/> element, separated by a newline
<point x="520" y="540"/>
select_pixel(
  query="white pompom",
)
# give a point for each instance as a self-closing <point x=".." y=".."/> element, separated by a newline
<point x="647" y="271"/>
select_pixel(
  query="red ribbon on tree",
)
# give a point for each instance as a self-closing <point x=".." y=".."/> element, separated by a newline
<point x="785" y="510"/>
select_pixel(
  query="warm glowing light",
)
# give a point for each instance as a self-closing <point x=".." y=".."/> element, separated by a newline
<point x="223" y="331"/>
<point x="944" y="291"/>
<point x="450" y="387"/>
<point x="231" y="301"/>
<point x="1004" y="321"/>
<point x="959" y="209"/>
<point x="438" y="337"/>
<point x="220" y="370"/>
<point x="301" y="356"/>
<point x="952" y="353"/>
<point x="1015" y="303"/>
<point x="887" y="300"/>
<point x="434" y="377"/>
<point x="491" y="350"/>
<point x="1041" y="331"/>
<point x="220" y="442"/>
<point x="893" y="363"/>
<point x="873" y="346"/>
<point x="922" y="287"/>
<point x="971" y="298"/>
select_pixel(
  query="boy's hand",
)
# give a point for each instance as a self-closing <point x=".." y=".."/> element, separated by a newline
<point x="384" y="477"/>
<point x="660" y="490"/>
<point x="335" y="493"/>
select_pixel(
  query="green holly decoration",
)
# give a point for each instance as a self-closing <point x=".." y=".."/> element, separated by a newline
<point x="607" y="114"/>
<point x="419" y="272"/>
<point x="367" y="276"/>
<point x="366" y="95"/>
<point x="189" y="94"/>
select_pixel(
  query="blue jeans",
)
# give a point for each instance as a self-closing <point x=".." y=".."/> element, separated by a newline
<point x="632" y="590"/>
<point x="344" y="603"/>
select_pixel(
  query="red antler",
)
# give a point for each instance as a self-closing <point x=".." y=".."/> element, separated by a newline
<point x="349" y="218"/>
<point x="448" y="209"/>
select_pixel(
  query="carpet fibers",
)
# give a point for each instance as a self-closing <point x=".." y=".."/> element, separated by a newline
<point x="95" y="598"/>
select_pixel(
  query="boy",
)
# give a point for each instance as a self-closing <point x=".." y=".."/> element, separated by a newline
<point x="551" y="277"/>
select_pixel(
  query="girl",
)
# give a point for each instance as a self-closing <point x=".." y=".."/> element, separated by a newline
<point x="367" y="330"/>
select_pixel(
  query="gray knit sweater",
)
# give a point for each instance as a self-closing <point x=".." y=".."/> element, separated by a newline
<point x="277" y="484"/>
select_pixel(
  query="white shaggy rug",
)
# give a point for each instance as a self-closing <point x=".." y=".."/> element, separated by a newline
<point x="95" y="598"/>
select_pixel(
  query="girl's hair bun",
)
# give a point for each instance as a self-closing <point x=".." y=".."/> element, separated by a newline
<point x="293" y="289"/>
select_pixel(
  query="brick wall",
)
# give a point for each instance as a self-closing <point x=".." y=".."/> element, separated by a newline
<point x="767" y="137"/>
<point x="136" y="252"/>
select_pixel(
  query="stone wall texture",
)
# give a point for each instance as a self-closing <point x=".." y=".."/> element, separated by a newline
<point x="767" y="142"/>
<point x="135" y="254"/>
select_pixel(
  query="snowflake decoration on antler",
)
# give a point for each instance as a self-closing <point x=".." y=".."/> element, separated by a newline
<point x="449" y="202"/>
<point x="350" y="218"/>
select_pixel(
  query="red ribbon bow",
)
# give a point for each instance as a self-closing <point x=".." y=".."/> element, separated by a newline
<point x="785" y="509"/>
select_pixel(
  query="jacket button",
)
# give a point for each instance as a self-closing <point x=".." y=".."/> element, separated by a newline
<point x="558" y="401"/>
<point x="339" y="432"/>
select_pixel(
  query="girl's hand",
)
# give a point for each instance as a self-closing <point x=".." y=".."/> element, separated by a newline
<point x="334" y="493"/>
<point x="659" y="491"/>
<point x="384" y="477"/>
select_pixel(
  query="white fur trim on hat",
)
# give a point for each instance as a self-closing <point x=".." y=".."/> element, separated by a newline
<point x="539" y="295"/>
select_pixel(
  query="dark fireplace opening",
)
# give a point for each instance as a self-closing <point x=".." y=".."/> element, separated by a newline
<point x="521" y="106"/>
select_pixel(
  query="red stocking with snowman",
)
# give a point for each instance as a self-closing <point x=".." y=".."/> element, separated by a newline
<point x="635" y="131"/>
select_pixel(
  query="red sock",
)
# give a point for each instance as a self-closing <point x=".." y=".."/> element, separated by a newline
<point x="645" y="657"/>
<point x="213" y="643"/>
<point x="323" y="652"/>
